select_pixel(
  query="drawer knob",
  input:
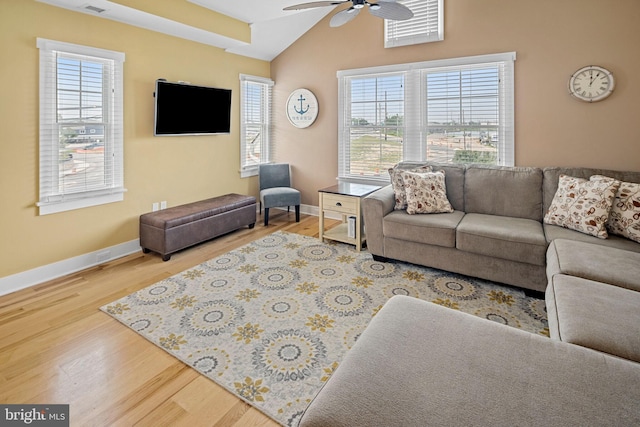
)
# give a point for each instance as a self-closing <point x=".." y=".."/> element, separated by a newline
<point x="338" y="204"/>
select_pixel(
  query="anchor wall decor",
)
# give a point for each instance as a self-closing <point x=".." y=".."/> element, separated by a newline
<point x="302" y="108"/>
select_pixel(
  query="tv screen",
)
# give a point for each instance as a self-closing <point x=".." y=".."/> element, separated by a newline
<point x="185" y="109"/>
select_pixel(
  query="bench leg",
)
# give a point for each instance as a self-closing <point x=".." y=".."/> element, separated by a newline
<point x="166" y="257"/>
<point x="253" y="224"/>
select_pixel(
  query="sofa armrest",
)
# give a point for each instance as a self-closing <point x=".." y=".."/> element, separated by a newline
<point x="374" y="208"/>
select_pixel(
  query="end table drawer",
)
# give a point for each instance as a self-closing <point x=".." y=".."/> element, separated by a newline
<point x="339" y="204"/>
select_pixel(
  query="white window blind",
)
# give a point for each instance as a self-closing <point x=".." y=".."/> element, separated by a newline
<point x="450" y="111"/>
<point x="255" y="123"/>
<point x="464" y="115"/>
<point x="81" y="138"/>
<point x="427" y="24"/>
<point x="374" y="127"/>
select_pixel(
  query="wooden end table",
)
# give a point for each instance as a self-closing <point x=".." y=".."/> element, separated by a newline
<point x="344" y="198"/>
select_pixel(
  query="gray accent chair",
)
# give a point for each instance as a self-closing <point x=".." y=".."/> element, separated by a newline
<point x="276" y="190"/>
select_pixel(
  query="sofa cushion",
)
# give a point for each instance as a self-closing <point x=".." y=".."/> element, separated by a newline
<point x="454" y="180"/>
<point x="434" y="229"/>
<point x="426" y="192"/>
<point x="553" y="232"/>
<point x="398" y="184"/>
<point x="515" y="239"/>
<point x="594" y="262"/>
<point x="595" y="315"/>
<point x="419" y="364"/>
<point x="504" y="191"/>
<point x="582" y="205"/>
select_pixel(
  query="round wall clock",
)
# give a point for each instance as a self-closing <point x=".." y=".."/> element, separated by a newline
<point x="302" y="108"/>
<point x="591" y="83"/>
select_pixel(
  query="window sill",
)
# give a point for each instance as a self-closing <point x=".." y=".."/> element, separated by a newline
<point x="68" y="205"/>
<point x="248" y="172"/>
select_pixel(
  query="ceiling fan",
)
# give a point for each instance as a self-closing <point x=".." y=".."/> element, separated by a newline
<point x="385" y="9"/>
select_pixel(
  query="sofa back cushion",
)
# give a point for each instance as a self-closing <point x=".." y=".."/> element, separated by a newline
<point x="453" y="178"/>
<point x="505" y="191"/>
<point x="552" y="174"/>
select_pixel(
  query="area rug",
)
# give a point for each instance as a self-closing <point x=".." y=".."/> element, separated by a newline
<point x="272" y="320"/>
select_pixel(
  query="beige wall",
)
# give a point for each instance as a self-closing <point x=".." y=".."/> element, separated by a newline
<point x="175" y="169"/>
<point x="551" y="39"/>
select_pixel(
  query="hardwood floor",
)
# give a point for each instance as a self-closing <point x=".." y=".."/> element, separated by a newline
<point x="56" y="346"/>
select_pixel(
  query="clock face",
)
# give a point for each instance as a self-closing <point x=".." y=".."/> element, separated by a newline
<point x="591" y="83"/>
<point x="302" y="108"/>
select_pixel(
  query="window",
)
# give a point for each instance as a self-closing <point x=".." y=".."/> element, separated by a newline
<point x="427" y="24"/>
<point x="375" y="123"/>
<point x="81" y="142"/>
<point x="255" y="123"/>
<point x="448" y="111"/>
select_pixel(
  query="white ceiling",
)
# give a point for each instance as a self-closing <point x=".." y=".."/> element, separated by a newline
<point x="272" y="29"/>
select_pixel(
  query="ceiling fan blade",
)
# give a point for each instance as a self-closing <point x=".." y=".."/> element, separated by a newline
<point x="343" y="17"/>
<point x="391" y="10"/>
<point x="315" y="4"/>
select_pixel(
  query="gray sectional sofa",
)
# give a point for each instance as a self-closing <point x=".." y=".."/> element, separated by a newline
<point x="496" y="231"/>
<point x="593" y="298"/>
<point x="420" y="364"/>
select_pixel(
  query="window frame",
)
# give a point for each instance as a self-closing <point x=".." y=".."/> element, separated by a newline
<point x="415" y="109"/>
<point x="51" y="198"/>
<point x="422" y="28"/>
<point x="266" y="123"/>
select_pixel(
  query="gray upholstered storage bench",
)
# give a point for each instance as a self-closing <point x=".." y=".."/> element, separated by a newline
<point x="419" y="364"/>
<point x="170" y="230"/>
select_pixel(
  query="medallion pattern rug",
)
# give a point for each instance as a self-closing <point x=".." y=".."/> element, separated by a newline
<point x="272" y="320"/>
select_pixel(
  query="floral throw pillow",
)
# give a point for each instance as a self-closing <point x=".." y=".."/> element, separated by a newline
<point x="582" y="205"/>
<point x="426" y="192"/>
<point x="398" y="184"/>
<point x="624" y="218"/>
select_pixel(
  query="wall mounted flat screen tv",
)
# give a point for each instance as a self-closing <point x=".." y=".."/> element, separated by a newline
<point x="185" y="109"/>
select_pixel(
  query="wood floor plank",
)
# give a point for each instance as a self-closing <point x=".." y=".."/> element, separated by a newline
<point x="254" y="418"/>
<point x="56" y="346"/>
<point x="199" y="398"/>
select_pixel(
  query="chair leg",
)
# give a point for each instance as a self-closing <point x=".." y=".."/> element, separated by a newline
<point x="297" y="213"/>
<point x="266" y="216"/>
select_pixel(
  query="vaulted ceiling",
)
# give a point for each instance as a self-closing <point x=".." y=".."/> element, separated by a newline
<point x="254" y="28"/>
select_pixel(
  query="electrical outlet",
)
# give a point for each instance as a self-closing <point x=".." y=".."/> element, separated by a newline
<point x="155" y="206"/>
<point x="163" y="204"/>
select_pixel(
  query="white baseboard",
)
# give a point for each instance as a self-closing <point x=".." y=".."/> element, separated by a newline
<point x="315" y="211"/>
<point x="52" y="271"/>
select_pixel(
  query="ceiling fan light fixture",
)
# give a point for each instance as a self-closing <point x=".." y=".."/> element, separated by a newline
<point x="374" y="6"/>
